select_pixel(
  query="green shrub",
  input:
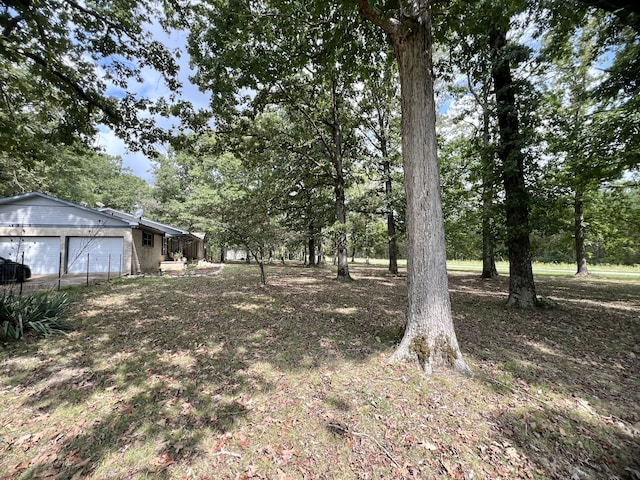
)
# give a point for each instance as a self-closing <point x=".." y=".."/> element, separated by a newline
<point x="40" y="313"/>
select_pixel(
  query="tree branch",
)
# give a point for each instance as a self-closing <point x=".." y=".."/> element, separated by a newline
<point x="94" y="14"/>
<point x="11" y="25"/>
<point x="68" y="81"/>
<point x="345" y="430"/>
<point x="371" y="14"/>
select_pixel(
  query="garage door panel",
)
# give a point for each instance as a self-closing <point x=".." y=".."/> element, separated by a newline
<point x="41" y="254"/>
<point x="95" y="254"/>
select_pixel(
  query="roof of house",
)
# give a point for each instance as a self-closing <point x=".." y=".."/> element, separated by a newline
<point x="20" y="199"/>
<point x="151" y="224"/>
<point x="109" y="213"/>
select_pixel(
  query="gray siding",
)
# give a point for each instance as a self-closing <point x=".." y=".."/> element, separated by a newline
<point x="39" y="211"/>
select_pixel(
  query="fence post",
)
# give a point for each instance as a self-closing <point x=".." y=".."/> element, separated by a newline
<point x="59" y="270"/>
<point x="21" y="278"/>
<point x="88" y="268"/>
<point x="109" y="269"/>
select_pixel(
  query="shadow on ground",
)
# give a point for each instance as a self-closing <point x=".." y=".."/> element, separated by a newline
<point x="169" y="368"/>
<point x="580" y="355"/>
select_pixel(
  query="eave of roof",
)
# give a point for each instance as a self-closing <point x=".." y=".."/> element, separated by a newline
<point x="145" y="222"/>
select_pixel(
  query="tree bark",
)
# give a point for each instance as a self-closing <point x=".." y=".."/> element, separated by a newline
<point x="489" y="269"/>
<point x="312" y="246"/>
<point x="320" y="260"/>
<point x="391" y="221"/>
<point x="429" y="335"/>
<point x="341" y="213"/>
<point x="522" y="290"/>
<point x="581" y="255"/>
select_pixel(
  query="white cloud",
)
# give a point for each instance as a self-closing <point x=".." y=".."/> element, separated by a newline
<point x="139" y="164"/>
<point x="153" y="88"/>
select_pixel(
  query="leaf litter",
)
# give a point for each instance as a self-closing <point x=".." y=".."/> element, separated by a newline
<point x="217" y="377"/>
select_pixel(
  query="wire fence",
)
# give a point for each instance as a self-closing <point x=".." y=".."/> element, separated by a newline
<point x="85" y="269"/>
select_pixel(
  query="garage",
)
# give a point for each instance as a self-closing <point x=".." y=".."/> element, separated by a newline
<point x="95" y="254"/>
<point x="42" y="254"/>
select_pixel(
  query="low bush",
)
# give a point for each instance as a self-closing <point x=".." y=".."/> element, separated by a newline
<point x="40" y="313"/>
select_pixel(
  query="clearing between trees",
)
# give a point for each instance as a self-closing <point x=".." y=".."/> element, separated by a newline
<point x="215" y="377"/>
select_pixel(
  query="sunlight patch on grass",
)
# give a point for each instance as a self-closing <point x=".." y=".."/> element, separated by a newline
<point x="92" y="313"/>
<point x="345" y="310"/>
<point x="180" y="358"/>
<point x="134" y="460"/>
<point x="249" y="307"/>
<point x="192" y="386"/>
<point x="543" y="348"/>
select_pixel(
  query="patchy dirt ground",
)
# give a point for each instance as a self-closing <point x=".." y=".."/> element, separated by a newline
<point x="215" y="377"/>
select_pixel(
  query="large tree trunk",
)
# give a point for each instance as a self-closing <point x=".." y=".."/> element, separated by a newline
<point x="429" y="335"/>
<point x="581" y="254"/>
<point x="341" y="211"/>
<point x="522" y="290"/>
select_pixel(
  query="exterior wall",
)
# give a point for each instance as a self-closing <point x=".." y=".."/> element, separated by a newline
<point x="42" y="211"/>
<point x="200" y="250"/>
<point x="146" y="259"/>
<point x="63" y="232"/>
<point x="232" y="255"/>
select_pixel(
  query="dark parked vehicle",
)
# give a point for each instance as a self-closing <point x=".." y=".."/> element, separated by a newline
<point x="11" y="271"/>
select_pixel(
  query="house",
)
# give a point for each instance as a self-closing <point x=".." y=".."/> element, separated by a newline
<point x="55" y="236"/>
<point x="172" y="240"/>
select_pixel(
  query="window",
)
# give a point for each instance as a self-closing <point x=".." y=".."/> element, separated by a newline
<point x="147" y="239"/>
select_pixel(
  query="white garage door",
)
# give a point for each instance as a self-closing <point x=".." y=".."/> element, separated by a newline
<point x="95" y="254"/>
<point x="42" y="254"/>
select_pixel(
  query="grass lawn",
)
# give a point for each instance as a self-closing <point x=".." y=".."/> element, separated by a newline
<point x="216" y="377"/>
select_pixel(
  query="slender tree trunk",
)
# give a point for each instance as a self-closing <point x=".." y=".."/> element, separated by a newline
<point x="312" y="246"/>
<point x="581" y="254"/>
<point x="522" y="290"/>
<point x="367" y="248"/>
<point x="260" y="261"/>
<point x="489" y="269"/>
<point x="341" y="211"/>
<point x="429" y="335"/>
<point x="263" y="276"/>
<point x="391" y="221"/>
<point x="388" y="194"/>
<point x="320" y="250"/>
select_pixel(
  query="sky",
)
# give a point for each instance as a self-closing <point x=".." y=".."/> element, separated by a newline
<point x="153" y="88"/>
